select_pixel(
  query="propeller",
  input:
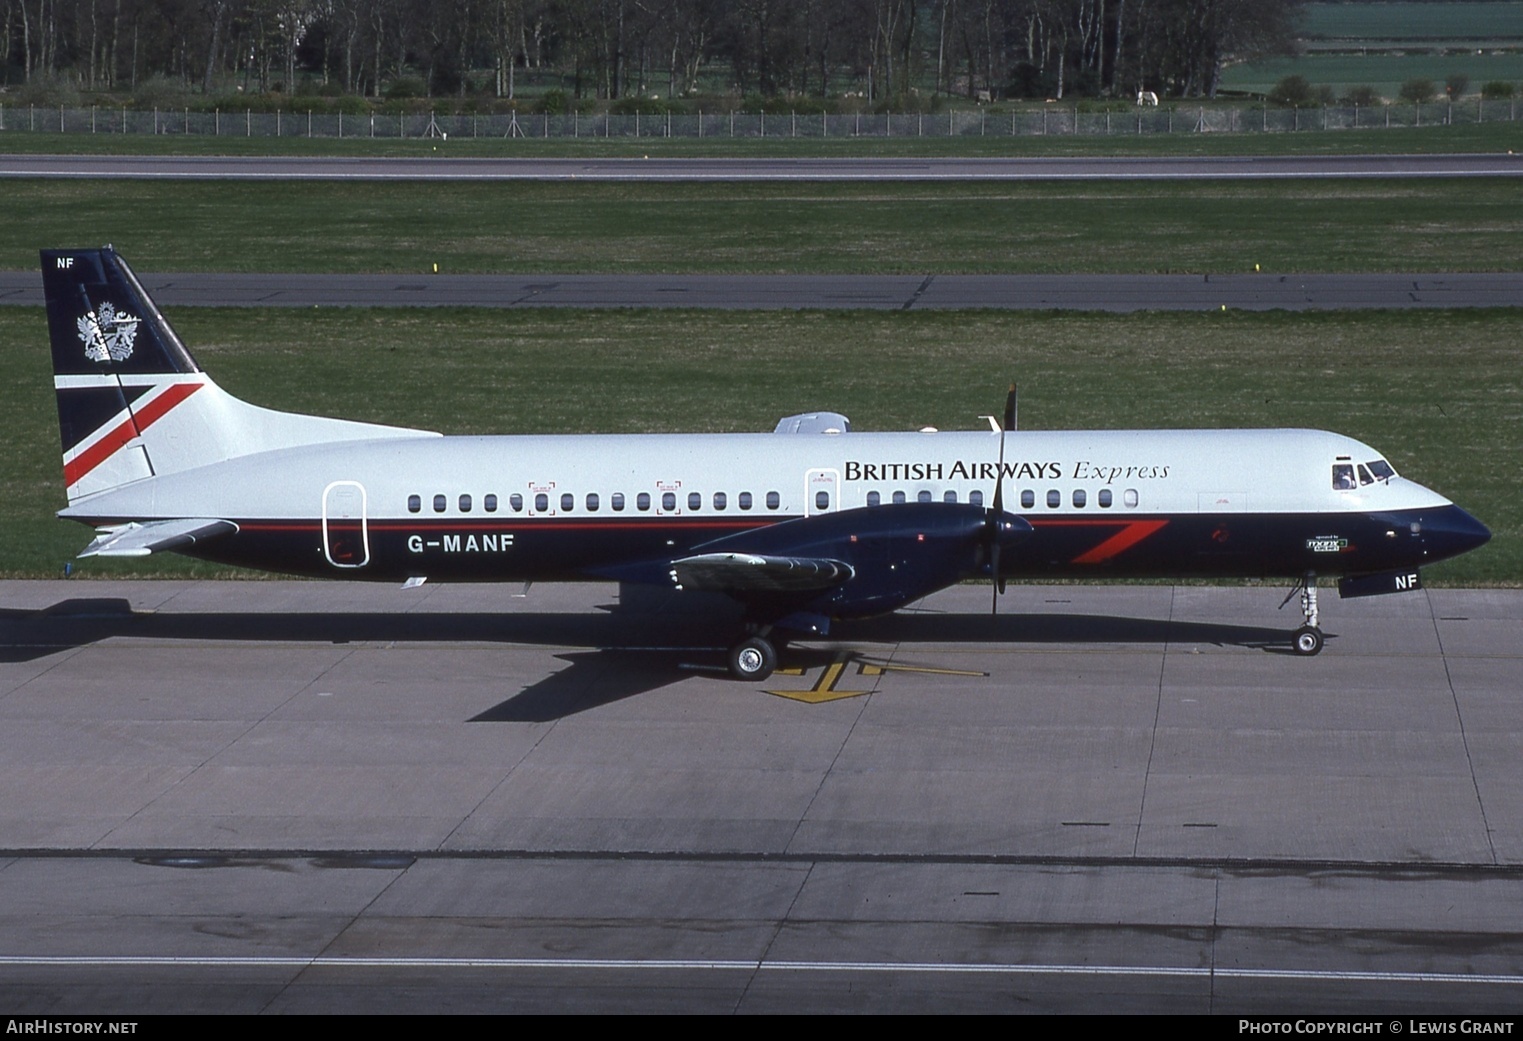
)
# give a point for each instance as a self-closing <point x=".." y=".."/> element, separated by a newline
<point x="994" y="524"/>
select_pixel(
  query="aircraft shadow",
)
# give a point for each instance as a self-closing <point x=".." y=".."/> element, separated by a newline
<point x="643" y="642"/>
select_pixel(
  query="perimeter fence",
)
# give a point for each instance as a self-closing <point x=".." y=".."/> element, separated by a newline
<point x="1024" y="122"/>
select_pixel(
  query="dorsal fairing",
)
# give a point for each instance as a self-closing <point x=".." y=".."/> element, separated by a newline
<point x="813" y="423"/>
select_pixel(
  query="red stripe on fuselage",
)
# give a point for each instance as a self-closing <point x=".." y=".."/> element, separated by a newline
<point x="125" y="431"/>
<point x="1131" y="533"/>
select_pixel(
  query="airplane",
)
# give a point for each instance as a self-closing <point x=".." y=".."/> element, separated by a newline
<point x="803" y="526"/>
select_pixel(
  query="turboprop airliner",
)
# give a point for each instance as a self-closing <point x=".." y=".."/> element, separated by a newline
<point x="803" y="526"/>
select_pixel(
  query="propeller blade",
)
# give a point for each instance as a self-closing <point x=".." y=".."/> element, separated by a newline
<point x="997" y="505"/>
<point x="999" y="585"/>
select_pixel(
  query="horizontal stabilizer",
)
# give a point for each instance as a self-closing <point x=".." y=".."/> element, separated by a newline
<point x="750" y="572"/>
<point x="139" y="540"/>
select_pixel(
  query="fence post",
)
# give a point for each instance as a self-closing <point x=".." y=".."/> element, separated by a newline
<point x="248" y="122"/>
<point x="700" y="122"/>
<point x="60" y="118"/>
<point x="793" y="123"/>
<point x="216" y="122"/>
<point x="92" y="119"/>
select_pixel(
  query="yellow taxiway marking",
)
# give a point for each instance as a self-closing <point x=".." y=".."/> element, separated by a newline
<point x="869" y="669"/>
<point x="825" y="687"/>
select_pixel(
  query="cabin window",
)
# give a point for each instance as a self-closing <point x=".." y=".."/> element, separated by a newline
<point x="642" y="501"/>
<point x="694" y="501"/>
<point x="975" y="498"/>
<point x="1129" y="498"/>
<point x="517" y="502"/>
<point x="1343" y="476"/>
<point x="617" y="502"/>
<point x="745" y="500"/>
<point x="592" y="502"/>
<point x="489" y="503"/>
<point x="1079" y="498"/>
<point x="949" y="496"/>
<point x="774" y="500"/>
<point x="924" y="496"/>
<point x="414" y="503"/>
<point x="439" y="504"/>
<point x="1104" y="498"/>
<point x="1028" y="498"/>
<point x="568" y="502"/>
<point x="899" y="499"/>
<point x="668" y="500"/>
<point x="542" y="503"/>
<point x="720" y="501"/>
<point x="822" y="500"/>
<point x="465" y="504"/>
<point x="874" y="499"/>
<point x="1054" y="498"/>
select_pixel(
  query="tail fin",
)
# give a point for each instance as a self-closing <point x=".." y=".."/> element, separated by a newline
<point x="132" y="403"/>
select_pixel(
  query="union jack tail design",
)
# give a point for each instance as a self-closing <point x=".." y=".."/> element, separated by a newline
<point x="132" y="403"/>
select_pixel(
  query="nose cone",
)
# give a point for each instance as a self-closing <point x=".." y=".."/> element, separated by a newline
<point x="1451" y="532"/>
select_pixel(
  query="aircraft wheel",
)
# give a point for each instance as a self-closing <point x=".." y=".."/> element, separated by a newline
<point x="1307" y="640"/>
<point x="753" y="660"/>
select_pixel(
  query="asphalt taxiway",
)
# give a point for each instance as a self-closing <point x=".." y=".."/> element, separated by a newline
<point x="286" y="796"/>
<point x="437" y="167"/>
<point x="1114" y="292"/>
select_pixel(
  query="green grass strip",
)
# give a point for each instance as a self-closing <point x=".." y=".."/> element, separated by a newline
<point x="536" y="227"/>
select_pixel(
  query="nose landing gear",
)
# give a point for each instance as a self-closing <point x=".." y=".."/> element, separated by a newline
<point x="1306" y="640"/>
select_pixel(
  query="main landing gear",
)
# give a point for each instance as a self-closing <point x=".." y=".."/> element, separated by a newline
<point x="753" y="659"/>
<point x="1306" y="640"/>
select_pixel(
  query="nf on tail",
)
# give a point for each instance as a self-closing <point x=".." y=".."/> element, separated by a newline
<point x="811" y="523"/>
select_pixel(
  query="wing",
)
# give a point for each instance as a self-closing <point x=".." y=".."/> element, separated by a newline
<point x="752" y="572"/>
<point x="139" y="540"/>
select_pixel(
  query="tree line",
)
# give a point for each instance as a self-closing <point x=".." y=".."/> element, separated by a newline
<point x="879" y="50"/>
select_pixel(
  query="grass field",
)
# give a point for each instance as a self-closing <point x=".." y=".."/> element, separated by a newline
<point x="1414" y="21"/>
<point x="1384" y="71"/>
<point x="1437" y="391"/>
<point x="528" y="227"/>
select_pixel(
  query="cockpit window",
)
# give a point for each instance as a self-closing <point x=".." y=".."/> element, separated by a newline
<point x="1365" y="476"/>
<point x="1343" y="476"/>
<point x="1382" y="470"/>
